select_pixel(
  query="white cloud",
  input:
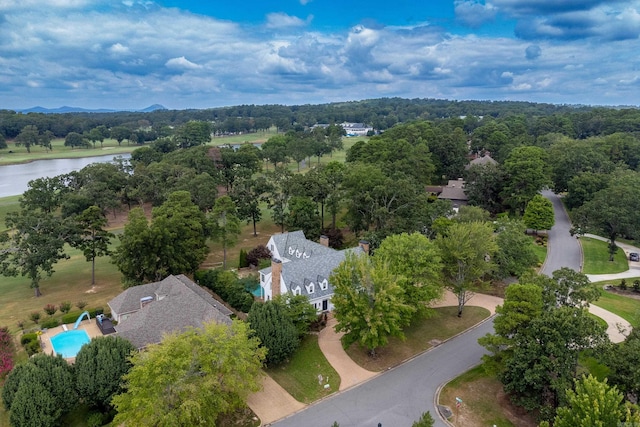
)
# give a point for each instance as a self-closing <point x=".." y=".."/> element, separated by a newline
<point x="282" y="20"/>
<point x="182" y="63"/>
<point x="118" y="48"/>
<point x="473" y="13"/>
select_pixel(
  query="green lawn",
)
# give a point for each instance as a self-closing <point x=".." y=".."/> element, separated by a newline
<point x="625" y="307"/>
<point x="300" y="376"/>
<point x="443" y="325"/>
<point x="540" y="250"/>
<point x="7" y="204"/>
<point x="59" y="151"/>
<point x="596" y="258"/>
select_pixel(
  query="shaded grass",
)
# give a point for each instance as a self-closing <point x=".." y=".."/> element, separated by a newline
<point x="443" y="325"/>
<point x="484" y="402"/>
<point x="589" y="364"/>
<point x="299" y="376"/>
<point x="540" y="251"/>
<point x="625" y="307"/>
<point x="596" y="258"/>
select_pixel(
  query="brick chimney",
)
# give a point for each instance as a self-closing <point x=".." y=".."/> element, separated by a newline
<point x="324" y="240"/>
<point x="364" y="245"/>
<point x="276" y="273"/>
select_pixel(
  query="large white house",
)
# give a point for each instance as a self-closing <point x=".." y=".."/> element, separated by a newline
<point x="302" y="267"/>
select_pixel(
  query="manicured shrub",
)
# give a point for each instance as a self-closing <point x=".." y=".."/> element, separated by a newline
<point x="32" y="348"/>
<point x="50" y="309"/>
<point x="35" y="317"/>
<point x="81" y="304"/>
<point x="623" y="284"/>
<point x="636" y="285"/>
<point x="70" y="317"/>
<point x="49" y="323"/>
<point x="65" y="307"/>
<point x="27" y="338"/>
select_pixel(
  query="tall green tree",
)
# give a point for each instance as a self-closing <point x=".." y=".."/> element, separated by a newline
<point x="278" y="194"/>
<point x="191" y="378"/>
<point x="538" y="215"/>
<point x="526" y="173"/>
<point x="173" y="243"/>
<point x="136" y="257"/>
<point x="515" y="254"/>
<point x="613" y="211"/>
<point x="44" y="194"/>
<point x="275" y="150"/>
<point x="225" y="225"/>
<point x="467" y="250"/>
<point x="193" y="133"/>
<point x="484" y="185"/>
<point x="247" y="194"/>
<point x="91" y="238"/>
<point x="40" y="392"/>
<point x="545" y="357"/>
<point x="416" y="258"/>
<point x="522" y="304"/>
<point x="593" y="404"/>
<point x="368" y="302"/>
<point x="32" y="245"/>
<point x="28" y="137"/>
<point x="623" y="361"/>
<point x="303" y="215"/>
<point x="273" y="326"/>
<point x="99" y="368"/>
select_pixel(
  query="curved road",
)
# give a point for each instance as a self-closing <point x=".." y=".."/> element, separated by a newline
<point x="397" y="398"/>
<point x="563" y="250"/>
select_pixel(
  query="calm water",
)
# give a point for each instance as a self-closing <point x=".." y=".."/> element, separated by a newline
<point x="14" y="178"/>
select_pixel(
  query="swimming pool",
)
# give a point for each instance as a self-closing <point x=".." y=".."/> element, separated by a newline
<point x="68" y="343"/>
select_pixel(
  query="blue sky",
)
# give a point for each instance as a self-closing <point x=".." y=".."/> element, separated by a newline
<point x="196" y="54"/>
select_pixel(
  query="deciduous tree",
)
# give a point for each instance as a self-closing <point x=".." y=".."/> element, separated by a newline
<point x="538" y="215"/>
<point x="191" y="378"/>
<point x="225" y="224"/>
<point x="467" y="250"/>
<point x="515" y="254"/>
<point x="99" y="368"/>
<point x="91" y="237"/>
<point x="368" y="302"/>
<point x="416" y="258"/>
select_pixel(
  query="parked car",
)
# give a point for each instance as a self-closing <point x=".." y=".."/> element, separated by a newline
<point x="633" y="256"/>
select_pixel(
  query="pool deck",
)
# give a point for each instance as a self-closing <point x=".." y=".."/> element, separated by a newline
<point x="87" y="325"/>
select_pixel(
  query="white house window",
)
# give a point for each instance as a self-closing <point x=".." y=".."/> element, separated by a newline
<point x="305" y="255"/>
<point x="261" y="277"/>
<point x="291" y="250"/>
<point x="324" y="285"/>
<point x="311" y="288"/>
<point x="271" y="247"/>
<point x="297" y="291"/>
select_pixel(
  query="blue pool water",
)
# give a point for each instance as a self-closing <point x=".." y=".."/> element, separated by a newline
<point x="68" y="343"/>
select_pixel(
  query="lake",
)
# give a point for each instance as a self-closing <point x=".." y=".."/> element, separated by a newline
<point x="14" y="178"/>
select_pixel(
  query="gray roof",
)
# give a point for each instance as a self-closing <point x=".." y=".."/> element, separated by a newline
<point x="294" y="246"/>
<point x="301" y="271"/>
<point x="454" y="190"/>
<point x="184" y="304"/>
<point x="481" y="161"/>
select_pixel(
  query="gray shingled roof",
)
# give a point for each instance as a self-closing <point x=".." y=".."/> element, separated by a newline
<point x="301" y="271"/>
<point x="481" y="161"/>
<point x="184" y="305"/>
<point x="294" y="243"/>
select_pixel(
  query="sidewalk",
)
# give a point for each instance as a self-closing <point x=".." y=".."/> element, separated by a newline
<point x="272" y="402"/>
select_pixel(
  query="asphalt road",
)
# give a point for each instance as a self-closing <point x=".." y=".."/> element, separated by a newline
<point x="563" y="250"/>
<point x="398" y="397"/>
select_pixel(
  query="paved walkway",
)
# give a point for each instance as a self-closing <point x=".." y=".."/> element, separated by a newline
<point x="634" y="266"/>
<point x="272" y="402"/>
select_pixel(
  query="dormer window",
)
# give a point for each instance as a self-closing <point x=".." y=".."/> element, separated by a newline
<point x="298" y="254"/>
<point x="305" y="255"/>
<point x="291" y="250"/>
<point x="297" y="291"/>
<point x="324" y="285"/>
<point x="311" y="287"/>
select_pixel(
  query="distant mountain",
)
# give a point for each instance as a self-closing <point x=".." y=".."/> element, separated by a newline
<point x="66" y="109"/>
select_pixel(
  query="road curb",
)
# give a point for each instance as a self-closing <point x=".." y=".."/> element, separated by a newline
<point x="338" y="393"/>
